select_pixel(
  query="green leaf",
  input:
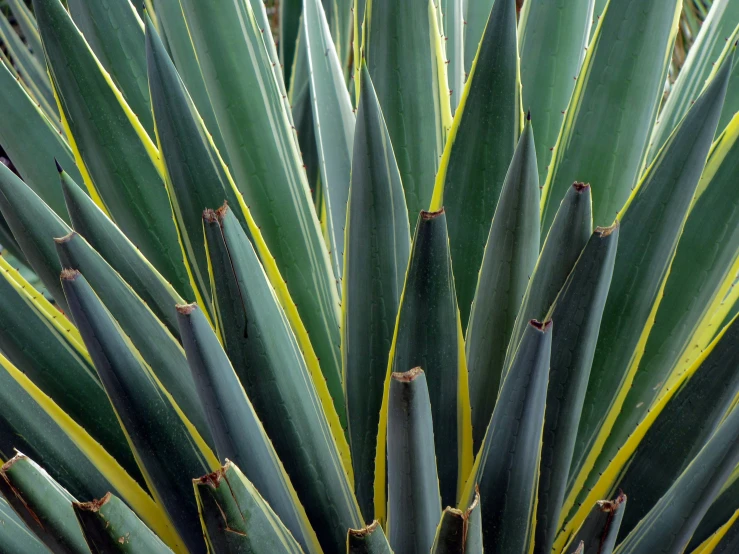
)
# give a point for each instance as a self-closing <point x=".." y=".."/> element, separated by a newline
<point x="260" y="343"/>
<point x="375" y="260"/>
<point x="672" y="520"/>
<point x="402" y="48"/>
<point x="626" y="66"/>
<point x="368" y="540"/>
<point x="29" y="29"/>
<point x="721" y="511"/>
<point x="194" y="174"/>
<point x="599" y="7"/>
<point x="694" y="303"/>
<point x="237" y="431"/>
<point x="236" y="518"/>
<point x="43" y="344"/>
<point x="168" y="449"/>
<point x="552" y="40"/>
<point x="33" y="149"/>
<point x="267" y="168"/>
<point x="33" y="225"/>
<point x="110" y="527"/>
<point x="729" y="542"/>
<point x="721" y="21"/>
<point x="414" y="504"/>
<point x="651" y="224"/>
<point x="428" y="334"/>
<point x="333" y="123"/>
<point x="507" y="265"/>
<point x="150" y="336"/>
<point x="118" y="161"/>
<point x="507" y="466"/>
<point x="682" y="428"/>
<point x="453" y="25"/>
<point x="31" y="71"/>
<point x="476" y="16"/>
<point x="31" y="422"/>
<point x="479" y="150"/>
<point x="114" y="32"/>
<point x="15" y="536"/>
<point x="108" y="240"/>
<point x="43" y="504"/>
<point x="173" y="27"/>
<point x="577" y="314"/>
<point x="455" y="528"/>
<point x="568" y="235"/>
<point x="599" y="531"/>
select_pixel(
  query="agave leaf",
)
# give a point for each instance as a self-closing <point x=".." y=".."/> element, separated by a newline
<point x="402" y="47"/>
<point x="237" y="431"/>
<point x="118" y="161"/>
<point x="694" y="303"/>
<point x="114" y="32"/>
<point x="29" y="29"/>
<point x="236" y="518"/>
<point x="724" y="509"/>
<point x="672" y="520"/>
<point x="476" y="17"/>
<point x="173" y="27"/>
<point x="570" y="232"/>
<point x="33" y="225"/>
<point x="665" y="411"/>
<point x="452" y="26"/>
<point x="507" y="265"/>
<point x="452" y="534"/>
<point x="108" y="240"/>
<point x="599" y="8"/>
<point x="375" y="260"/>
<point x="552" y="40"/>
<point x="414" y="504"/>
<point x="577" y="315"/>
<point x="34" y="149"/>
<point x="168" y="448"/>
<point x="109" y="526"/>
<point x="31" y="71"/>
<point x="724" y="541"/>
<point x="507" y="466"/>
<point x="682" y="428"/>
<point x="267" y="168"/>
<point x="731" y="102"/>
<point x="428" y="334"/>
<point x="626" y="65"/>
<point x="266" y="357"/>
<point x="368" y="540"/>
<point x="599" y="531"/>
<point x="194" y="174"/>
<point x="32" y="422"/>
<point x="651" y="225"/>
<point x="721" y="21"/>
<point x="333" y="123"/>
<point x="479" y="150"/>
<point x="43" y="504"/>
<point x="43" y="344"/>
<point x="15" y="536"/>
<point x="289" y="21"/>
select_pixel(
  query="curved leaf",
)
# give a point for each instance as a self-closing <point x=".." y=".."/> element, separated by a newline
<point x="375" y="260"/>
<point x="453" y="25"/>
<point x="428" y="334"/>
<point x="414" y="504"/>
<point x="168" y="449"/>
<point x="236" y="518"/>
<point x="237" y="431"/>
<point x="368" y="540"/>
<point x="599" y="531"/>
<point x="15" y="536"/>
<point x="626" y="66"/>
<point x="402" y="48"/>
<point x="455" y="528"/>
<point x="479" y="150"/>
<point x="476" y="17"/>
<point x="507" y="265"/>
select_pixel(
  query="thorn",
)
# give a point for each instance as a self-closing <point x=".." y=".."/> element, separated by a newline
<point x="58" y="167"/>
<point x="528" y="115"/>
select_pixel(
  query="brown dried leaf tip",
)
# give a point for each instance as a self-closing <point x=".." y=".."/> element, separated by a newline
<point x="214" y="479"/>
<point x="186" y="309"/>
<point x="580" y="187"/>
<point x="359" y="533"/>
<point x="407" y="376"/>
<point x="94" y="505"/>
<point x="612" y="505"/>
<point x="69" y="274"/>
<point x="605" y="231"/>
<point x="541" y="325"/>
<point x="431" y="215"/>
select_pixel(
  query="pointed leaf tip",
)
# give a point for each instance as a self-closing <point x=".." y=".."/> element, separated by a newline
<point x="528" y="115"/>
<point x="58" y="166"/>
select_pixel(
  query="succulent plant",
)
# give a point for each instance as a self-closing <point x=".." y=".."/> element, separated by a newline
<point x="337" y="293"/>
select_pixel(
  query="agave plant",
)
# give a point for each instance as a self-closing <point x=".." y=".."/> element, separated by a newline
<point x="235" y="344"/>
